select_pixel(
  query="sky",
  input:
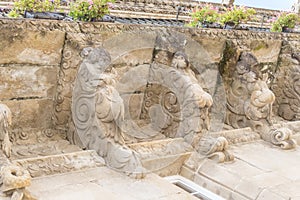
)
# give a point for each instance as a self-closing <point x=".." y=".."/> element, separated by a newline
<point x="284" y="5"/>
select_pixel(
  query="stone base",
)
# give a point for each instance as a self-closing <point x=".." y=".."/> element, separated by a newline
<point x="163" y="157"/>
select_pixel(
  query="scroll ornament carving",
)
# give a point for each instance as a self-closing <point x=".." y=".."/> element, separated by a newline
<point x="249" y="103"/>
<point x="282" y="138"/>
<point x="215" y="148"/>
<point x="5" y="124"/>
<point x="98" y="111"/>
<point x="185" y="103"/>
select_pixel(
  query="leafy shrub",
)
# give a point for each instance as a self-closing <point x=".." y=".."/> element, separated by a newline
<point x="287" y="20"/>
<point x="237" y="15"/>
<point x="207" y="14"/>
<point x="89" y="10"/>
<point x="20" y="6"/>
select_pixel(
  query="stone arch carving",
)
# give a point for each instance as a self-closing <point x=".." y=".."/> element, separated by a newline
<point x="102" y="127"/>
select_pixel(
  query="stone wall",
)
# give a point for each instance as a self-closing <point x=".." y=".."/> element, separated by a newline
<point x="30" y="63"/>
<point x="39" y="60"/>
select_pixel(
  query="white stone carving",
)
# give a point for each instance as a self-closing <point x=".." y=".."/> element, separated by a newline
<point x="98" y="110"/>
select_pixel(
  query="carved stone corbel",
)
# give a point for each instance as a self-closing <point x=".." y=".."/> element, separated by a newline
<point x="280" y="137"/>
<point x="250" y="102"/>
<point x="98" y="114"/>
<point x="214" y="148"/>
<point x="188" y="109"/>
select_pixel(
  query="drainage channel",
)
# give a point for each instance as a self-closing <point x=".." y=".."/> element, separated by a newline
<point x="193" y="188"/>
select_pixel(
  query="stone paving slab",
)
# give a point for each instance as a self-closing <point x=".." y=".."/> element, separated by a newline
<point x="104" y="183"/>
<point x="260" y="171"/>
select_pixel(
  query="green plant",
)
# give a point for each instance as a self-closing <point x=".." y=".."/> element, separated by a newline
<point x="20" y="6"/>
<point x="208" y="14"/>
<point x="89" y="10"/>
<point x="288" y="20"/>
<point x="236" y="15"/>
<point x="13" y="13"/>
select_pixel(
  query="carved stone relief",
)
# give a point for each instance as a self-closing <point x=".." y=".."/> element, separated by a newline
<point x="250" y="102"/>
<point x="287" y="87"/>
<point x="174" y="104"/>
<point x="184" y="105"/>
<point x="98" y="110"/>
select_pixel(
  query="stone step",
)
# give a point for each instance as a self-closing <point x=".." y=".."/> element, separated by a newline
<point x="104" y="183"/>
<point x="45" y="148"/>
<point x="53" y="157"/>
<point x="236" y="136"/>
<point x="61" y="163"/>
<point x="163" y="157"/>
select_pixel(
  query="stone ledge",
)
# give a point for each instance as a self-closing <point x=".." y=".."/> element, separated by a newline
<point x="62" y="163"/>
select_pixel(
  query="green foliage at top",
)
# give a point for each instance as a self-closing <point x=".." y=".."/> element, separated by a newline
<point x="20" y="6"/>
<point x="207" y="14"/>
<point x="236" y="15"/>
<point x="288" y="20"/>
<point x="89" y="10"/>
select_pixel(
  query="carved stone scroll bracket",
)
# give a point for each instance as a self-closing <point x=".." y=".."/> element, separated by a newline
<point x="280" y="137"/>
<point x="215" y="148"/>
<point x="98" y="114"/>
<point x="5" y="126"/>
<point x="14" y="182"/>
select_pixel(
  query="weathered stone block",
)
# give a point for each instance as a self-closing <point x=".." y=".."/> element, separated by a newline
<point x="134" y="57"/>
<point x="31" y="113"/>
<point x="266" y="51"/>
<point x="28" y="47"/>
<point x="127" y="42"/>
<point x="163" y="157"/>
<point x="27" y="82"/>
<point x="213" y="48"/>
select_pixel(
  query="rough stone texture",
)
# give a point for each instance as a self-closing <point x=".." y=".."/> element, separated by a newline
<point x="213" y="49"/>
<point x="129" y="43"/>
<point x="21" y="82"/>
<point x="163" y="157"/>
<point x="266" y="51"/>
<point x="58" y="164"/>
<point x="31" y="113"/>
<point x="28" y="47"/>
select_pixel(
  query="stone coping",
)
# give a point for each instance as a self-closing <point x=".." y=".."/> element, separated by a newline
<point x="99" y="27"/>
